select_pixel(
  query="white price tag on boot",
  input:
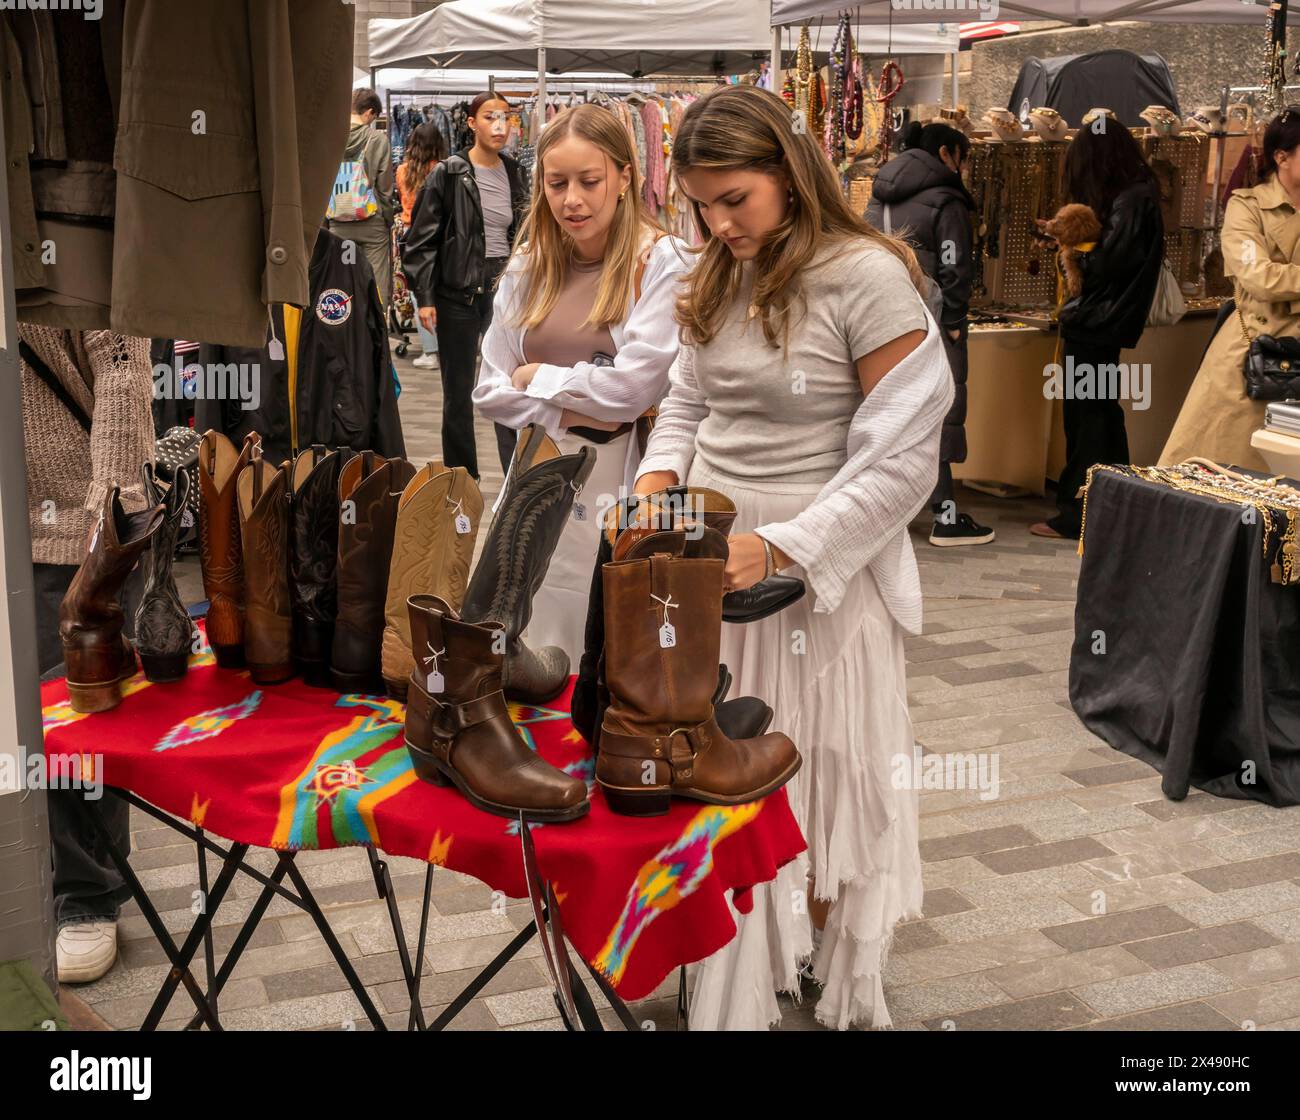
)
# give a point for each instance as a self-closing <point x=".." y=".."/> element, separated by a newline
<point x="579" y="512"/>
<point x="462" y="524"/>
<point x="433" y="677"/>
<point x="667" y="632"/>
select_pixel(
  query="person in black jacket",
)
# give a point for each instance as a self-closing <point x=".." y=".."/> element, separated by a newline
<point x="919" y="195"/>
<point x="1104" y="169"/>
<point x="345" y="393"/>
<point x="462" y="227"/>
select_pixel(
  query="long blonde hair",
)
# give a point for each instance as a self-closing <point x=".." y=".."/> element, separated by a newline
<point x="737" y="128"/>
<point x="547" y="248"/>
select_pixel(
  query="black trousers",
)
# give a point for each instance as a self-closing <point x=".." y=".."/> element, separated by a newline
<point x="460" y="329"/>
<point x="87" y="886"/>
<point x="1094" y="433"/>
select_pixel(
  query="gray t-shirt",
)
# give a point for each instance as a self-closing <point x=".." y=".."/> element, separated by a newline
<point x="785" y="415"/>
<point x="494" y="192"/>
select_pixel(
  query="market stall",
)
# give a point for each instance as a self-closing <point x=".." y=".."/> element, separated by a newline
<point x="1015" y="178"/>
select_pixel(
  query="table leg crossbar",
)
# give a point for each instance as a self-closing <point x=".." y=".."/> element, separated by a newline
<point x="572" y="999"/>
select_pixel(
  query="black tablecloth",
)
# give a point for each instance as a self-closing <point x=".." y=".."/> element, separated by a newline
<point x="1200" y="673"/>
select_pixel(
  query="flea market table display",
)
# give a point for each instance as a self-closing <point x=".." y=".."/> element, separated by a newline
<point x="295" y="768"/>
<point x="1187" y="631"/>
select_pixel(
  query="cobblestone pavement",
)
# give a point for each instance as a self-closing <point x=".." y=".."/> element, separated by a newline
<point x="1201" y="921"/>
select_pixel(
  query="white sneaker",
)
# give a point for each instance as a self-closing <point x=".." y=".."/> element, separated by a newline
<point x="86" y="951"/>
<point x="425" y="361"/>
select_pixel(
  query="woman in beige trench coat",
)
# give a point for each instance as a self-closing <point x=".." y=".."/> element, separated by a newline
<point x="1261" y="252"/>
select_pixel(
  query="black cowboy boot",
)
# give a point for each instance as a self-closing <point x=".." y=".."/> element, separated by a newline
<point x="534" y="508"/>
<point x="313" y="558"/>
<point x="164" y="633"/>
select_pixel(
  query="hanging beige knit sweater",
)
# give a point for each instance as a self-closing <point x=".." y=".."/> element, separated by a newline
<point x="68" y="471"/>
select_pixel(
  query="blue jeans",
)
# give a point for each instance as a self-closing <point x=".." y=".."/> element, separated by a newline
<point x="428" y="340"/>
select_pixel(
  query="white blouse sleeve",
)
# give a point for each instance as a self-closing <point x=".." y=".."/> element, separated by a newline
<point x="639" y="376"/>
<point x="893" y="455"/>
<point x="503" y="353"/>
<point x="671" y="446"/>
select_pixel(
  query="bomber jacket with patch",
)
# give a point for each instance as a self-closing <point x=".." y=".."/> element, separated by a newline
<point x="345" y="390"/>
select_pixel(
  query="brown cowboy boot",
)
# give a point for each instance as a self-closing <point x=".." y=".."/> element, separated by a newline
<point x="220" y="550"/>
<point x="369" y="489"/>
<point x="458" y="728"/>
<point x="263" y="498"/>
<point x="663" y="627"/>
<point x="96" y="653"/>
<point x="433" y="544"/>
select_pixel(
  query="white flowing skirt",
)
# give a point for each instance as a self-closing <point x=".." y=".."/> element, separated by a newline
<point x="837" y="686"/>
<point x="560" y="606"/>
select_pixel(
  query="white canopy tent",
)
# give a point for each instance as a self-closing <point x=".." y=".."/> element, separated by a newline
<point x="627" y="36"/>
<point x="1068" y="11"/>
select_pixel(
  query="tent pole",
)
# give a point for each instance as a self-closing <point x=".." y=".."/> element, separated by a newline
<point x="956" y="61"/>
<point x="774" y="63"/>
<point x="541" y="89"/>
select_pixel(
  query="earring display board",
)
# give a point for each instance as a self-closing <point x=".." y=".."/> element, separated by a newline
<point x="1180" y="164"/>
<point x="1012" y="185"/>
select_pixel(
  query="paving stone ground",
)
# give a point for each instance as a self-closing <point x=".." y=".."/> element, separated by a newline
<point x="1078" y="898"/>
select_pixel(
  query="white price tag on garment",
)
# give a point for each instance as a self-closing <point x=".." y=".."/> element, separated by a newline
<point x="579" y="512"/>
<point x="667" y="636"/>
<point x="436" y="682"/>
<point x="462" y="524"/>
<point x="275" y="350"/>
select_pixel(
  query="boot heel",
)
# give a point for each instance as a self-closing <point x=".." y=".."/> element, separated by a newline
<point x="164" y="668"/>
<point x="270" y="674"/>
<point x="638" y="803"/>
<point x="87" y="699"/>
<point x="229" y="657"/>
<point x="425" y="768"/>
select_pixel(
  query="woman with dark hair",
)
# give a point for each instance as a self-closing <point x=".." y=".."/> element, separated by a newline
<point x="462" y="227"/>
<point x="1262" y="255"/>
<point x="919" y="196"/>
<point x="1106" y="171"/>
<point x="425" y="149"/>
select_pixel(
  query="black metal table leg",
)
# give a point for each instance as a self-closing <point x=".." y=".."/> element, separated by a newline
<point x="207" y="934"/>
<point x="308" y="902"/>
<point x="481" y="981"/>
<point x="384" y="885"/>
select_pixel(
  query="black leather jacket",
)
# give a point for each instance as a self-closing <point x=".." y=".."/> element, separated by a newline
<point x="929" y="206"/>
<point x="445" y="247"/>
<point x="1120" y="274"/>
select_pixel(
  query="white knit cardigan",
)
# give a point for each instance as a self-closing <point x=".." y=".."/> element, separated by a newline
<point x="860" y="516"/>
<point x="645" y="342"/>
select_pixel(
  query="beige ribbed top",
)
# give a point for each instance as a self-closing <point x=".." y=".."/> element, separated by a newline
<point x="560" y="340"/>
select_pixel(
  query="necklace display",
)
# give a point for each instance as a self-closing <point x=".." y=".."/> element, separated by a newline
<point x="841" y="54"/>
<point x="802" y="88"/>
<point x="891" y="85"/>
<point x="1276" y="502"/>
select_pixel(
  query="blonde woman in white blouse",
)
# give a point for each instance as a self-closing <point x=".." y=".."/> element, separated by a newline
<point x="811" y="388"/>
<point x="582" y="336"/>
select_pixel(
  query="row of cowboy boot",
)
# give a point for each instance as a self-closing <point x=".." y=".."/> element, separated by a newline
<point x="659" y="737"/>
<point x="313" y="558"/>
<point x="263" y="500"/>
<point x="221" y="552"/>
<point x="370" y="488"/>
<point x="691" y="509"/>
<point x="96" y="653"/>
<point x="458" y="727"/>
<point x="164" y="634"/>
<point x="437" y="524"/>
<point x="534" y="507"/>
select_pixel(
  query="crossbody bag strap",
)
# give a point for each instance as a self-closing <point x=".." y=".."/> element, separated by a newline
<point x="54" y="385"/>
<point x="1241" y="318"/>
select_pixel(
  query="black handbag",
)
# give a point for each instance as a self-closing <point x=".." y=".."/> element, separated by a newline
<point x="1272" y="367"/>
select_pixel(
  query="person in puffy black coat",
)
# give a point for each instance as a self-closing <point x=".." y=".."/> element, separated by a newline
<point x="1104" y="169"/>
<point x="919" y="195"/>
